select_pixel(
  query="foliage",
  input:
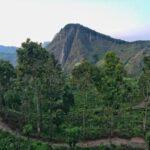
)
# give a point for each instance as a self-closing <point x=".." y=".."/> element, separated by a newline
<point x="27" y="129"/>
<point x="10" y="142"/>
<point x="73" y="135"/>
<point x="92" y="102"/>
<point x="7" y="74"/>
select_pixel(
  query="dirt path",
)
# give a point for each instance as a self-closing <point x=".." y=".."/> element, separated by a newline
<point x="135" y="142"/>
<point x="141" y="105"/>
<point x="4" y="127"/>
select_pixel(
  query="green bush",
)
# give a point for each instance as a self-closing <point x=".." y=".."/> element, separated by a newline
<point x="10" y="142"/>
<point x="73" y="135"/>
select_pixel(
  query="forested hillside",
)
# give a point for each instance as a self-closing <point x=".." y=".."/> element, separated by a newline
<point x="44" y="108"/>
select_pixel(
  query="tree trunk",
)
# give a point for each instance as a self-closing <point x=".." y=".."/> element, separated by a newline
<point x="84" y="113"/>
<point x="145" y="117"/>
<point x="38" y="115"/>
<point x="50" y="124"/>
<point x="38" y="120"/>
<point x="146" y="109"/>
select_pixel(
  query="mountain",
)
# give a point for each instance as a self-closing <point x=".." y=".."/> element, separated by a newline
<point x="75" y="42"/>
<point x="45" y="44"/>
<point x="8" y="53"/>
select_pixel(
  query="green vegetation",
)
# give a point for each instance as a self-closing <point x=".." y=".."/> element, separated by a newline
<point x="10" y="142"/>
<point x="38" y="100"/>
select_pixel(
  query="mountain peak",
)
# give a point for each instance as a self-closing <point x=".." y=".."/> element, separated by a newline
<point x="70" y="25"/>
<point x="76" y="39"/>
<point x="76" y="42"/>
<point x="84" y="29"/>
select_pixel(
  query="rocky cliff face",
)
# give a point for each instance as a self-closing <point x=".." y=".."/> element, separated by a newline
<point x="75" y="42"/>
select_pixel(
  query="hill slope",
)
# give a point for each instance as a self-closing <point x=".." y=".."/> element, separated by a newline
<point x="75" y="42"/>
<point x="8" y="53"/>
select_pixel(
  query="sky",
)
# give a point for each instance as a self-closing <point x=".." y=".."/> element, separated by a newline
<point x="40" y="20"/>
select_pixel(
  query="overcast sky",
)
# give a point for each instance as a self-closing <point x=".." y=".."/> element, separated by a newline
<point x="40" y="20"/>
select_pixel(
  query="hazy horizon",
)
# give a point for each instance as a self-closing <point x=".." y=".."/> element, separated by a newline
<point x="40" y="20"/>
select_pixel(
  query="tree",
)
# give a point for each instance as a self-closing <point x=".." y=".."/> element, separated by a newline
<point x="131" y="90"/>
<point x="12" y="99"/>
<point x="42" y="82"/>
<point x="68" y="98"/>
<point x="144" y="83"/>
<point x="83" y="76"/>
<point x="73" y="135"/>
<point x="112" y="81"/>
<point x="54" y="83"/>
<point x="31" y="60"/>
<point x="7" y="74"/>
<point x="27" y="130"/>
<point x="112" y="86"/>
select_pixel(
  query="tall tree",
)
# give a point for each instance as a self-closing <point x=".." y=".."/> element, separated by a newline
<point x="83" y="77"/>
<point x="111" y="85"/>
<point x="7" y="74"/>
<point x="41" y="79"/>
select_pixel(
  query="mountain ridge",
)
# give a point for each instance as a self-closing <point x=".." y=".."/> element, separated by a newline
<point x="8" y="53"/>
<point x="75" y="42"/>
